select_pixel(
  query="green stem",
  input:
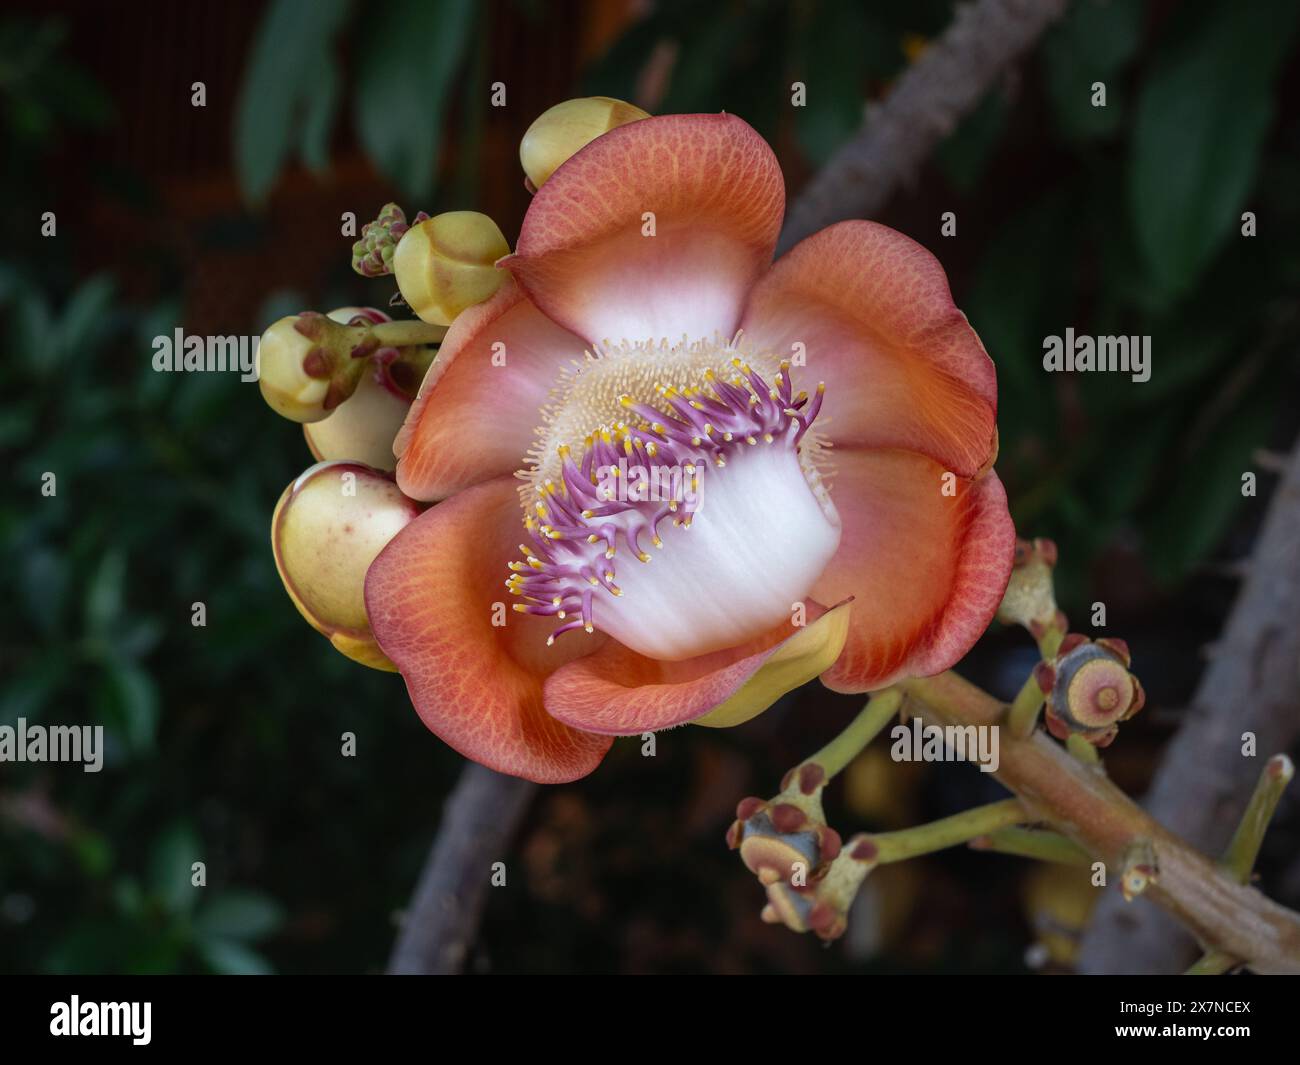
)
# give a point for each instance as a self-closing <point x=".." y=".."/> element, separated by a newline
<point x="1239" y="858"/>
<point x="1212" y="963"/>
<point x="881" y="708"/>
<point x="1033" y="843"/>
<point x="1050" y="642"/>
<point x="1022" y="718"/>
<point x="947" y="832"/>
<point x="1084" y="751"/>
<point x="407" y="333"/>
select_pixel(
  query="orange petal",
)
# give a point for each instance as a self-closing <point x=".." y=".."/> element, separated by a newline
<point x="478" y="408"/>
<point x="927" y="570"/>
<point x="430" y="598"/>
<point x="902" y="366"/>
<point x="716" y="197"/>
<point x="620" y="692"/>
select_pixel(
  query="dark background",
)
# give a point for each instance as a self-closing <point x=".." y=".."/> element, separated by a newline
<point x="224" y="741"/>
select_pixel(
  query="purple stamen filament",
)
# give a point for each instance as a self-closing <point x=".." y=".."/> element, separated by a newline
<point x="575" y="528"/>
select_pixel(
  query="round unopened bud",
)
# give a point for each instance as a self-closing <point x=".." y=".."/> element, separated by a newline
<point x="363" y="427"/>
<point x="1092" y="690"/>
<point x="308" y="365"/>
<point x="777" y="838"/>
<point x="448" y="263"/>
<point x="327" y="528"/>
<point x="566" y="128"/>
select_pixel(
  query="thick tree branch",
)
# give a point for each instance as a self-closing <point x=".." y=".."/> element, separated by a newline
<point x="478" y="822"/>
<point x="1204" y="782"/>
<point x="1081" y="803"/>
<point x="943" y="86"/>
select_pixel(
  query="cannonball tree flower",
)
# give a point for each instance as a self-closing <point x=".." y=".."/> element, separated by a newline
<point x="832" y="413"/>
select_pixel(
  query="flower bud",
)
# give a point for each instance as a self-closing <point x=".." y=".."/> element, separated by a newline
<point x="327" y="528"/>
<point x="308" y="364"/>
<point x="448" y="263"/>
<point x="362" y="428"/>
<point x="1092" y="690"/>
<point x="777" y="839"/>
<point x="566" y="128"/>
<point x="822" y="906"/>
<point x="372" y="255"/>
<point x="1030" y="599"/>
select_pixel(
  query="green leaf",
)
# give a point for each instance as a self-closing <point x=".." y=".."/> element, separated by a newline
<point x="104" y="595"/>
<point x="130" y="704"/>
<point x="1092" y="43"/>
<point x="838" y="43"/>
<point x="1201" y="119"/>
<point x="412" y="51"/>
<point x="238" y="915"/>
<point x="81" y="325"/>
<point x="175" y="850"/>
<point x="233" y="959"/>
<point x="291" y="69"/>
<point x="965" y="155"/>
<point x="1197" y="508"/>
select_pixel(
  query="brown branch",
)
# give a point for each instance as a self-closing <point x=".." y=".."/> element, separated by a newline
<point x="1080" y="802"/>
<point x="943" y="86"/>
<point x="479" y="820"/>
<point x="1204" y="782"/>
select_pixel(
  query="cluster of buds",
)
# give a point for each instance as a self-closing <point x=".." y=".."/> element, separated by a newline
<point x="351" y="376"/>
<point x="1089" y="689"/>
<point x="372" y="255"/>
<point x="786" y="843"/>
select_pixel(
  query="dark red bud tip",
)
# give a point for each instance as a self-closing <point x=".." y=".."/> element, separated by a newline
<point x="1046" y="550"/>
<point x="826" y="921"/>
<point x="1071" y="641"/>
<point x="748" y="807"/>
<point x="315" y="363"/>
<point x="734" y="833"/>
<point x="1139" y="698"/>
<point x="1045" y="676"/>
<point x="811" y="777"/>
<point x="787" y="818"/>
<point x="1055" y="725"/>
<point x="1117" y="647"/>
<point x="333" y="396"/>
<point x="864" y="851"/>
<point x="830" y="845"/>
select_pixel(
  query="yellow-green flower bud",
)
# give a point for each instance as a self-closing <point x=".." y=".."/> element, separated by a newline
<point x="308" y="365"/>
<point x="568" y="127"/>
<point x="448" y="263"/>
<point x="327" y="528"/>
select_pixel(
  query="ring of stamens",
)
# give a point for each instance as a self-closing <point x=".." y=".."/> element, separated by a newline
<point x="575" y="527"/>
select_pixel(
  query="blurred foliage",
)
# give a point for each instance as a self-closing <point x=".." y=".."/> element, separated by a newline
<point x="222" y="741"/>
<point x="408" y="52"/>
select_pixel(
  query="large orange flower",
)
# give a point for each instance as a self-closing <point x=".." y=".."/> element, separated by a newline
<point x="855" y="532"/>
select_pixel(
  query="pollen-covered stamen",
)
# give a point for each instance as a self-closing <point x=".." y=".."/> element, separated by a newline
<point x="731" y="578"/>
